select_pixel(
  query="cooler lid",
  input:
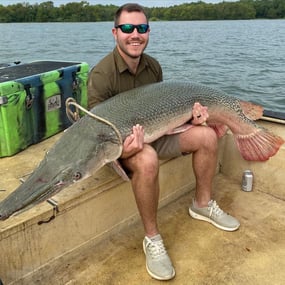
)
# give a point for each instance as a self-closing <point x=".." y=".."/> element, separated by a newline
<point x="29" y="69"/>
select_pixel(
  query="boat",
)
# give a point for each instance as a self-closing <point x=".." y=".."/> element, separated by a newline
<point x="90" y="233"/>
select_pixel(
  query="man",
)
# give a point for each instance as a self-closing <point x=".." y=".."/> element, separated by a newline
<point x="128" y="67"/>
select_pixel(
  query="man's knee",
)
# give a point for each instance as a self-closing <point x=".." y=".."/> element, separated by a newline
<point x="145" y="162"/>
<point x="210" y="139"/>
<point x="198" y="137"/>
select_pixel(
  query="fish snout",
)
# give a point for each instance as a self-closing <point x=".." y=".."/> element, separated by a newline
<point x="3" y="215"/>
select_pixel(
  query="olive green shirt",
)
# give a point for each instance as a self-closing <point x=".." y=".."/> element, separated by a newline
<point x="112" y="76"/>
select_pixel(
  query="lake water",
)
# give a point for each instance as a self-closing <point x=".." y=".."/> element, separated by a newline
<point x="244" y="58"/>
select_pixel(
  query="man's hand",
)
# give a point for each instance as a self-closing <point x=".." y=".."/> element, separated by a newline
<point x="134" y="142"/>
<point x="199" y="114"/>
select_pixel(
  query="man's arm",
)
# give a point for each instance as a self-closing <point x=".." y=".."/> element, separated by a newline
<point x="98" y="87"/>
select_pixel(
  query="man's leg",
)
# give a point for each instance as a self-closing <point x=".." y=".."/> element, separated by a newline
<point x="144" y="167"/>
<point x="202" y="142"/>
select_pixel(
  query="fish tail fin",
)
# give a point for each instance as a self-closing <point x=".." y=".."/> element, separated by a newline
<point x="251" y="111"/>
<point x="259" y="145"/>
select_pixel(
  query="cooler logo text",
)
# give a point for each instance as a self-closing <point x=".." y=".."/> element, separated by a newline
<point x="53" y="103"/>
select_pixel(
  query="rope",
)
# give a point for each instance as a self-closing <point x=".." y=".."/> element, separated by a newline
<point x="74" y="116"/>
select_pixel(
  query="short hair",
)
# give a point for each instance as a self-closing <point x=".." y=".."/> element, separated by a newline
<point x="129" y="7"/>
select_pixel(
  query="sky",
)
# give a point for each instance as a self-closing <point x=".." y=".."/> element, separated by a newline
<point x="148" y="3"/>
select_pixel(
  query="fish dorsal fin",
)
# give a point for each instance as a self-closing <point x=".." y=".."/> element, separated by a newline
<point x="251" y="111"/>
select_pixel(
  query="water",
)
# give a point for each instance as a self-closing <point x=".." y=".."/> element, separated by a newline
<point x="244" y="58"/>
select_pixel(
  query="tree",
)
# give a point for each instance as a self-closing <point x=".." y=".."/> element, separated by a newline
<point x="83" y="11"/>
<point x="45" y="12"/>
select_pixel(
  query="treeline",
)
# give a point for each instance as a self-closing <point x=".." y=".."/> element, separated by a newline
<point x="84" y="12"/>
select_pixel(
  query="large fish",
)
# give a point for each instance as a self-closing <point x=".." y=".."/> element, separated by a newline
<point x="160" y="108"/>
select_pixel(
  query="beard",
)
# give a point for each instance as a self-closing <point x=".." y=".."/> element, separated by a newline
<point x="133" y="48"/>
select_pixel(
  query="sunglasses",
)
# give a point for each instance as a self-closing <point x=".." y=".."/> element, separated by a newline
<point x="129" y="28"/>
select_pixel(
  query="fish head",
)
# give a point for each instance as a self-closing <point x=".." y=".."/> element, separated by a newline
<point x="58" y="170"/>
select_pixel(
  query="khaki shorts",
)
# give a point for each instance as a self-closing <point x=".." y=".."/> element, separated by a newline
<point x="167" y="147"/>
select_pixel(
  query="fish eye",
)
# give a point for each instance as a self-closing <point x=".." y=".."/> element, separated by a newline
<point x="77" y="176"/>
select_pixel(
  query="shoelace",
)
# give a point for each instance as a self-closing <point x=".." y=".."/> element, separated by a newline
<point x="155" y="248"/>
<point x="214" y="208"/>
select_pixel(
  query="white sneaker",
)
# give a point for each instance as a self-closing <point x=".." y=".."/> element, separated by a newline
<point x="214" y="215"/>
<point x="158" y="263"/>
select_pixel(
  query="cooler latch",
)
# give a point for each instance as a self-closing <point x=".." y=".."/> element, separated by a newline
<point x="29" y="96"/>
<point x="75" y="82"/>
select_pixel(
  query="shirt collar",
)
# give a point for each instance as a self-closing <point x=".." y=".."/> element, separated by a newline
<point x="122" y="66"/>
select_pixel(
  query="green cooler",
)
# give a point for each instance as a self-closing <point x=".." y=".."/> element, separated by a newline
<point x="32" y="101"/>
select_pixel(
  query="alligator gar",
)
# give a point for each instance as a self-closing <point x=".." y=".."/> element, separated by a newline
<point x="160" y="108"/>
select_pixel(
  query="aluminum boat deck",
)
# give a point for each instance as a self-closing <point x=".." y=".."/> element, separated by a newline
<point x="96" y="237"/>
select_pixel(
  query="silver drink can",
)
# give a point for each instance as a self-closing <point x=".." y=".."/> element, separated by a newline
<point x="247" y="180"/>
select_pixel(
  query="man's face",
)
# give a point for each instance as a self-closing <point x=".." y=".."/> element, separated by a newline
<point x="133" y="44"/>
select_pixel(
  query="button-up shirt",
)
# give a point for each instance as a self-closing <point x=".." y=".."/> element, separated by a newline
<point x="112" y="76"/>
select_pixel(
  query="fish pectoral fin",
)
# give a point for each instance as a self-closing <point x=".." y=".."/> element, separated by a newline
<point x="251" y="111"/>
<point x="259" y="145"/>
<point x="112" y="151"/>
<point x="180" y="129"/>
<point x="116" y="165"/>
